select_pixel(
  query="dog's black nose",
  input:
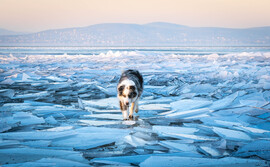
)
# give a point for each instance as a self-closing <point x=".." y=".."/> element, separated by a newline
<point x="127" y="103"/>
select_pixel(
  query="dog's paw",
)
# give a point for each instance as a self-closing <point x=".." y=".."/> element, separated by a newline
<point x="130" y="117"/>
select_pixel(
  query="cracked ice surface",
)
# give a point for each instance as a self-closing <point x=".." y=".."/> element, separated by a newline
<point x="200" y="106"/>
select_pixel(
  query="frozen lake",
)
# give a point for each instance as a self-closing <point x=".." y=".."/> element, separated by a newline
<point x="201" y="106"/>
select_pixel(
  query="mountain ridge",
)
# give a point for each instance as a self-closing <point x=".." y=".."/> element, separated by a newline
<point x="4" y="31"/>
<point x="151" y="34"/>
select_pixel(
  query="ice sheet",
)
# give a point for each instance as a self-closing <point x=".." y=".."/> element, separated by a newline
<point x="50" y="162"/>
<point x="225" y="102"/>
<point x="189" y="114"/>
<point x="90" y="137"/>
<point x="197" y="102"/>
<point x="172" y="160"/>
<point x="232" y="134"/>
<point x="170" y="129"/>
<point x="178" y="146"/>
<point x="18" y="155"/>
<point x="184" y="105"/>
<point x="36" y="135"/>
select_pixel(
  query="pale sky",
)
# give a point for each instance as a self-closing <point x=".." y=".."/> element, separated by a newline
<point x="38" y="15"/>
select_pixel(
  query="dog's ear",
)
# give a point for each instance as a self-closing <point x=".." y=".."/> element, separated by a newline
<point x="120" y="89"/>
<point x="132" y="88"/>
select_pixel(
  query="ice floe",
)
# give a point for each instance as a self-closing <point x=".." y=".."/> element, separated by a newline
<point x="25" y="154"/>
<point x="232" y="134"/>
<point x="187" y="161"/>
<point x="197" y="109"/>
<point x="183" y="105"/>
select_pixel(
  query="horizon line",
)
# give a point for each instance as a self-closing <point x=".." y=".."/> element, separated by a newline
<point x="160" y="22"/>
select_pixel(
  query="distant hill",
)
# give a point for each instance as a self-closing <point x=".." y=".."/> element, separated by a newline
<point x="152" y="34"/>
<point x="8" y="32"/>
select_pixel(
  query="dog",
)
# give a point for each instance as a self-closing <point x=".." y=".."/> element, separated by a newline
<point x="129" y="88"/>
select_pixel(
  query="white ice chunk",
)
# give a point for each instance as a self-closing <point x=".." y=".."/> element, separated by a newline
<point x="36" y="103"/>
<point x="6" y="143"/>
<point x="59" y="129"/>
<point x="24" y="119"/>
<point x="36" y="135"/>
<point x="21" y="78"/>
<point x="255" y="146"/>
<point x="57" y="85"/>
<point x="254" y="100"/>
<point x="99" y="123"/>
<point x="107" y="103"/>
<point x="62" y="162"/>
<point x="154" y="89"/>
<point x="178" y="146"/>
<point x="90" y="137"/>
<point x="168" y="161"/>
<point x="105" y="116"/>
<point x="202" y="88"/>
<point x="196" y="117"/>
<point x="210" y="151"/>
<point x="18" y="155"/>
<point x="4" y="126"/>
<point x="7" y="92"/>
<point x="183" y="105"/>
<point x="232" y="134"/>
<point x="173" y="130"/>
<point x="227" y="123"/>
<point x="129" y="122"/>
<point x="91" y="110"/>
<point x="189" y="114"/>
<point x="135" y="141"/>
<point x="32" y="95"/>
<point x="266" y="85"/>
<point x="14" y="107"/>
<point x="55" y="78"/>
<point x="56" y="111"/>
<point x="140" y="129"/>
<point x="50" y="162"/>
<point x="223" y="103"/>
<point x="136" y="159"/>
<point x="81" y="106"/>
<point x="37" y="143"/>
<point x="25" y="77"/>
<point x="7" y="82"/>
<point x="51" y="120"/>
<point x="222" y="144"/>
<point x="252" y="130"/>
<point x="258" y="147"/>
<point x="150" y="100"/>
<point x="155" y="107"/>
<point x="27" y="119"/>
<point x="181" y="133"/>
<point x="193" y="137"/>
<point x="104" y="90"/>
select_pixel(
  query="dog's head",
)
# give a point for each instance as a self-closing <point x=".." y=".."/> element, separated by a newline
<point x="127" y="93"/>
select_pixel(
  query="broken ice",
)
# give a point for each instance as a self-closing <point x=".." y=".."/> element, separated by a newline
<point x="200" y="106"/>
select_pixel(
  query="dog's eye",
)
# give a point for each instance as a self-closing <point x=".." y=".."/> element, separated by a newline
<point x="132" y="95"/>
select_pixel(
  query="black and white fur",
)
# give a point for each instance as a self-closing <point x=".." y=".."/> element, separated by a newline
<point x="129" y="88"/>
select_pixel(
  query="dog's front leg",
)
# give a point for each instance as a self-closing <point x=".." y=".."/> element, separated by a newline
<point x="136" y="106"/>
<point x="131" y="110"/>
<point x="124" y="109"/>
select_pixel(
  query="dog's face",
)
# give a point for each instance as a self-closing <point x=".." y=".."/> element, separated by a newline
<point x="127" y="94"/>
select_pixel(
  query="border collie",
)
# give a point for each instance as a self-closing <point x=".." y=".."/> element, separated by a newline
<point x="129" y="88"/>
